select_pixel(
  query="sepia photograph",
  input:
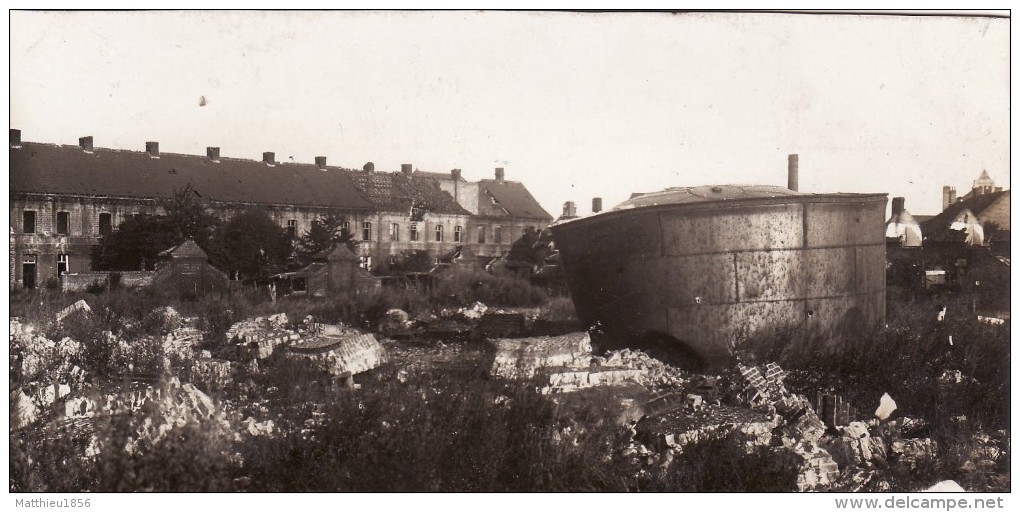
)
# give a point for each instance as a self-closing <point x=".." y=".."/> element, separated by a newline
<point x="282" y="253"/>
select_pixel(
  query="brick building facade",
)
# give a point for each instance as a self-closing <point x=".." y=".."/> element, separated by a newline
<point x="65" y="198"/>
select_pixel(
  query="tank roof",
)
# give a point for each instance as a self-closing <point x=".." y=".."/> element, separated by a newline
<point x="723" y="193"/>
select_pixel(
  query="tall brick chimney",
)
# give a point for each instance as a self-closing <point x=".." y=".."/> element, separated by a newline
<point x="897" y="205"/>
<point x="499" y="174"/>
<point x="320" y="162"/>
<point x="212" y="153"/>
<point x="85" y="142"/>
<point x="269" y="157"/>
<point x="406" y="169"/>
<point x="152" y="148"/>
<point x="15" y="137"/>
<point x="596" y="204"/>
<point x="369" y="167"/>
<point x="793" y="172"/>
<point x="948" y="196"/>
<point x="569" y="210"/>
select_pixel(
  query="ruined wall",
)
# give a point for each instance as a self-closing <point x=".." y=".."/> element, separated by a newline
<point x="45" y="244"/>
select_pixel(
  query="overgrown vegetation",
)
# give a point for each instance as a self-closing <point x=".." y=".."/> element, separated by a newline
<point x="456" y="430"/>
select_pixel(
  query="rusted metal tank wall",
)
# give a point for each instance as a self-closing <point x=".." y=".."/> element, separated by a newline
<point x="717" y="276"/>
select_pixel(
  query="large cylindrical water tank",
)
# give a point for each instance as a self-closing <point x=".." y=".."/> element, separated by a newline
<point x="717" y="268"/>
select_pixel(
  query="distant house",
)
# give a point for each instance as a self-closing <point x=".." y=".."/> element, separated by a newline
<point x="902" y="229"/>
<point x="967" y="220"/>
<point x="332" y="273"/>
<point x="505" y="210"/>
<point x="188" y="270"/>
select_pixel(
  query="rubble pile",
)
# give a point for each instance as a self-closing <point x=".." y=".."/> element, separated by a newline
<point x="342" y="355"/>
<point x="80" y="306"/>
<point x="312" y="328"/>
<point x="658" y="374"/>
<point x="212" y="373"/>
<point x="798" y="426"/>
<point x="855" y="446"/>
<point x="814" y="466"/>
<point x="522" y="358"/>
<point x="912" y="451"/>
<point x="474" y="312"/>
<point x="681" y="427"/>
<point x="396" y="322"/>
<point x="176" y="405"/>
<point x="573" y="380"/>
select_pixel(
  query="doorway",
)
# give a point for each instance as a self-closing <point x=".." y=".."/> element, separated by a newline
<point x="28" y="271"/>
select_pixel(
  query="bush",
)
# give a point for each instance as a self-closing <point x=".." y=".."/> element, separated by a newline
<point x="722" y="463"/>
<point x="438" y="432"/>
<point x="495" y="290"/>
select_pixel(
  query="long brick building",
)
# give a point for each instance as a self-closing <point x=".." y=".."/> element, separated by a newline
<point x="64" y="198"/>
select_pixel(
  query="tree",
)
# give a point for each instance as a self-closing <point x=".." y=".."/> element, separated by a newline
<point x="527" y="248"/>
<point x="137" y="242"/>
<point x="325" y="233"/>
<point x="250" y="245"/>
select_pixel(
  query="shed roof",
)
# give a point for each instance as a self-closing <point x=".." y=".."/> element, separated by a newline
<point x="187" y="249"/>
<point x="57" y="169"/>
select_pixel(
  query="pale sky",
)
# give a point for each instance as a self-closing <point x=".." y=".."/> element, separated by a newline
<point x="573" y="105"/>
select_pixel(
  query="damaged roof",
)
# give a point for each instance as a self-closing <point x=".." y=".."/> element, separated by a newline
<point x="397" y="192"/>
<point x="514" y="198"/>
<point x="57" y="169"/>
<point x="937" y="225"/>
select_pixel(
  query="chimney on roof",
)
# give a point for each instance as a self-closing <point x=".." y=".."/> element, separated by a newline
<point x="793" y="172"/>
<point x="320" y="162"/>
<point x="596" y="204"/>
<point x="948" y="196"/>
<point x="269" y="157"/>
<point x="897" y="205"/>
<point x="569" y="210"/>
<point x="455" y="174"/>
<point x="85" y="142"/>
<point x="15" y="137"/>
<point x="369" y="167"/>
<point x="152" y="148"/>
<point x="406" y="169"/>
<point x="212" y="153"/>
<point x="499" y="174"/>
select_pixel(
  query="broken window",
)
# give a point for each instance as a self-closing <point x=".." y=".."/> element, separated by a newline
<point x="365" y="262"/>
<point x="366" y="231"/>
<point x="63" y="264"/>
<point x="481" y="234"/>
<point x="497" y="235"/>
<point x="414" y="231"/>
<point x="63" y="223"/>
<point x="292" y="228"/>
<point x="394" y="232"/>
<point x="456" y="234"/>
<point x="28" y="222"/>
<point x="439" y="232"/>
<point x="105" y="224"/>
